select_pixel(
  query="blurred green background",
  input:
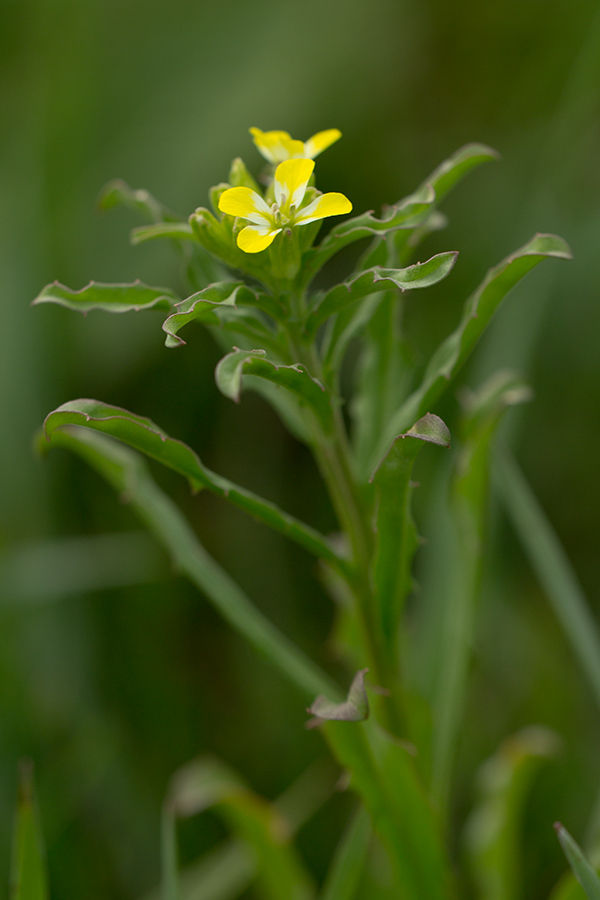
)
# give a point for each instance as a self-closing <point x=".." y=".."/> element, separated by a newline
<point x="114" y="671"/>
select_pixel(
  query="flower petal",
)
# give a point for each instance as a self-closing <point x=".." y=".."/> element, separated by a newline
<point x="244" y="202"/>
<point x="332" y="204"/>
<point x="291" y="178"/>
<point x="255" y="238"/>
<point x="276" y="146"/>
<point x="321" y="141"/>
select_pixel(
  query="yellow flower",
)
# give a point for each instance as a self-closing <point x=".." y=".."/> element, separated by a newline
<point x="291" y="179"/>
<point x="277" y="146"/>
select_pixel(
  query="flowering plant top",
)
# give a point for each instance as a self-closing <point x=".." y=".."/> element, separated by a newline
<point x="266" y="222"/>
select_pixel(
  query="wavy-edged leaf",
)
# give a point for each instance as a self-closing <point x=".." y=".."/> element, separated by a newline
<point x="583" y="871"/>
<point x="409" y="212"/>
<point x="203" y="304"/>
<point x="355" y="708"/>
<point x="128" y="475"/>
<point x="395" y="532"/>
<point x="114" y="298"/>
<point x="208" y="783"/>
<point x="477" y="313"/>
<point x="142" y="434"/>
<point x="307" y="390"/>
<point x="180" y="231"/>
<point x="452" y="170"/>
<point x="419" y="275"/>
<point x="493" y="837"/>
<point x="28" y="877"/>
<point x="118" y="193"/>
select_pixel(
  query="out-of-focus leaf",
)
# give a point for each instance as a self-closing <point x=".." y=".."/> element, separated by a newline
<point x="28" y="877"/>
<point x="406" y="214"/>
<point x="383" y="774"/>
<point x="118" y="193"/>
<point x="168" y="854"/>
<point x="585" y="874"/>
<point x="478" y="311"/>
<point x="207" y="783"/>
<point x="181" y="231"/>
<point x="420" y="275"/>
<point x="307" y="390"/>
<point x="347" y="865"/>
<point x="142" y="434"/>
<point x="493" y="839"/>
<point x="396" y="536"/>
<point x="128" y="475"/>
<point x="551" y="565"/>
<point x="115" y="298"/>
<point x="469" y="504"/>
<point x="355" y="708"/>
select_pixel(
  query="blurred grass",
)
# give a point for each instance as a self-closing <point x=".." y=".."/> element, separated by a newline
<point x="112" y="687"/>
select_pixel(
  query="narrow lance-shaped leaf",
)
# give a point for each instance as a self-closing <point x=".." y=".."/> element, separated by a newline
<point x="383" y="774"/>
<point x="348" y="862"/>
<point x="585" y="874"/>
<point x="181" y="231"/>
<point x="408" y="212"/>
<point x="420" y="275"/>
<point x="115" y="298"/>
<point x="28" y="878"/>
<point x="307" y="390"/>
<point x="478" y="311"/>
<point x="207" y="783"/>
<point x="128" y="475"/>
<point x="142" y="434"/>
<point x="493" y="834"/>
<point x="396" y="536"/>
<point x="482" y="412"/>
<point x="454" y="169"/>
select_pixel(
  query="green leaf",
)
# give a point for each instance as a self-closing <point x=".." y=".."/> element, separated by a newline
<point x="208" y="783"/>
<point x="478" y="311"/>
<point x="396" y="536"/>
<point x="405" y="214"/>
<point x="168" y="854"/>
<point x="28" y="878"/>
<point x="180" y="231"/>
<point x="118" y="193"/>
<point x="355" y="708"/>
<point x="348" y="862"/>
<point x="482" y="412"/>
<point x="296" y="379"/>
<point x="493" y="835"/>
<point x="585" y="874"/>
<point x="551" y="565"/>
<point x="454" y="169"/>
<point x="201" y="305"/>
<point x="142" y="434"/>
<point x="420" y="275"/>
<point x="384" y="776"/>
<point x="115" y="298"/>
<point x="128" y="475"/>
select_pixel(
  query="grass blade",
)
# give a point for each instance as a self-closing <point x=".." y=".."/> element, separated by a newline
<point x="349" y="859"/>
<point x="551" y="566"/>
<point x="584" y="873"/>
<point x="28" y="878"/>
